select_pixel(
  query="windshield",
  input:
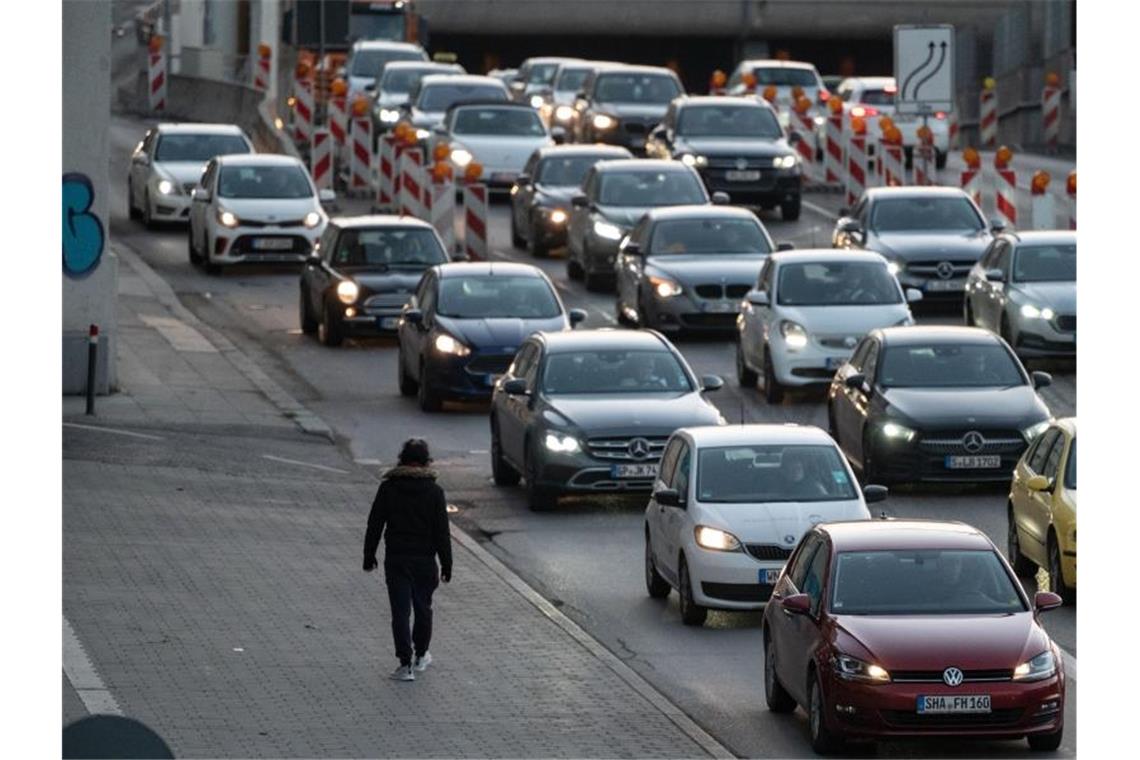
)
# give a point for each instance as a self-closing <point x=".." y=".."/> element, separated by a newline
<point x="949" y="365"/>
<point x="570" y="80"/>
<point x="614" y="371"/>
<point x="728" y="121"/>
<point x="636" y="88"/>
<point x="785" y="77"/>
<point x="921" y="214"/>
<point x="1071" y="467"/>
<point x="749" y="474"/>
<point x="640" y="188"/>
<point x="496" y="296"/>
<point x="440" y="97"/>
<point x="502" y="122"/>
<point x="404" y="79"/>
<point x="264" y="182"/>
<point x="1045" y="263"/>
<point x="367" y="63"/>
<point x="198" y="148"/>
<point x="405" y="248"/>
<point x="542" y="73"/>
<point x="838" y="283"/>
<point x="923" y="582"/>
<point x="379" y="24"/>
<point x="570" y="170"/>
<point x="679" y="236"/>
<point x="877" y="97"/>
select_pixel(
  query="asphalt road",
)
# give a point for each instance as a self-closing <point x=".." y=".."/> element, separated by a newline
<point x="586" y="556"/>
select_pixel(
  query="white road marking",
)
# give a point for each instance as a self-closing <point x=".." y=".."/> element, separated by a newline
<point x="1070" y="664"/>
<point x="114" y="431"/>
<point x="817" y="209"/>
<point x="180" y="335"/>
<point x="83" y="676"/>
<point x="372" y="462"/>
<point x="304" y="464"/>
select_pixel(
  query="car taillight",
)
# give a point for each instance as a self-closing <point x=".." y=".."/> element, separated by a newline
<point x="863" y="111"/>
<point x="940" y="114"/>
<point x="824" y="95"/>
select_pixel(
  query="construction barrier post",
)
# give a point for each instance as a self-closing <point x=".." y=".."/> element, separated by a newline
<point x="988" y="122"/>
<point x="803" y="124"/>
<point x="321" y="159"/>
<point x="261" y="70"/>
<point x="156" y="74"/>
<point x="952" y="117"/>
<point x="410" y="198"/>
<point x="1051" y="115"/>
<point x="833" y="158"/>
<point x="891" y="155"/>
<point x="338" y="126"/>
<point x="1071" y="192"/>
<point x="360" y="179"/>
<point x="385" y="179"/>
<point x="856" y="168"/>
<point x="1042" y="209"/>
<point x="1005" y="196"/>
<point x="441" y="211"/>
<point x="302" y="110"/>
<point x="475" y="221"/>
<point x="922" y="162"/>
<point x="972" y="184"/>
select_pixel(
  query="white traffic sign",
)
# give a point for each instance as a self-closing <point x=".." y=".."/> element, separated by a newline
<point x="924" y="68"/>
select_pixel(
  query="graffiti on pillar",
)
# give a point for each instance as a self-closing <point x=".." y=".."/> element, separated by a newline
<point x="83" y="236"/>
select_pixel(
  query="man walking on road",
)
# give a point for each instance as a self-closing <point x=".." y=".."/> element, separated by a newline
<point x="413" y="508"/>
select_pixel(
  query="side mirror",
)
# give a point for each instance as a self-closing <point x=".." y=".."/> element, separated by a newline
<point x="873" y="493"/>
<point x="913" y="295"/>
<point x="795" y="137"/>
<point x="995" y="275"/>
<point x="657" y="132"/>
<point x="631" y="248"/>
<point x="997" y="225"/>
<point x="142" y="159"/>
<point x="849" y="225"/>
<point x="785" y="246"/>
<point x="796" y="604"/>
<point x="757" y="298"/>
<point x="667" y="497"/>
<point x="1041" y="379"/>
<point x="711" y="383"/>
<point x="522" y="180"/>
<point x="577" y="316"/>
<point x="414" y="317"/>
<point x="1039" y="483"/>
<point x="326" y="195"/>
<point x="721" y="198"/>
<point x="580" y="201"/>
<point x="856" y="381"/>
<point x="1046" y="600"/>
<point x="515" y="387"/>
<point x="558" y="135"/>
<point x="201" y="195"/>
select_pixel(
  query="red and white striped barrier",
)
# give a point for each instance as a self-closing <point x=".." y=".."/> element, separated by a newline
<point x="411" y="194"/>
<point x="387" y="177"/>
<point x="1051" y="115"/>
<point x="987" y="123"/>
<point x="923" y="166"/>
<point x="952" y="128"/>
<point x="475" y="221"/>
<point x="856" y="168"/>
<point x="891" y="159"/>
<point x="833" y="157"/>
<point x="321" y="159"/>
<point x="338" y="125"/>
<point x="440" y="199"/>
<point x="1071" y="192"/>
<point x="972" y="184"/>
<point x="1005" y="195"/>
<point x="1043" y="211"/>
<point x="156" y="79"/>
<point x="804" y="125"/>
<point x="360" y="137"/>
<point x="302" y="110"/>
<point x="261" y="69"/>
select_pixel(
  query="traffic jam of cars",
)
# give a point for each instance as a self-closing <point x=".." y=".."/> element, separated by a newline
<point x="877" y="627"/>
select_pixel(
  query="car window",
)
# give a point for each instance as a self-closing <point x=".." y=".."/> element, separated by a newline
<point x="207" y="179"/>
<point x="1053" y="457"/>
<point x="524" y="361"/>
<point x="615" y="371"/>
<point x="767" y="274"/>
<point x="925" y="213"/>
<point x="684" y="468"/>
<point x="783" y="76"/>
<point x="389" y="248"/>
<point x="950" y="365"/>
<point x="1071" y="467"/>
<point x="750" y="474"/>
<point x="814" y="578"/>
<point x="640" y="231"/>
<point x="570" y="80"/>
<point x="710" y="235"/>
<point x="542" y="73"/>
<point x="490" y="296"/>
<point x="198" y="148"/>
<point x="1036" y="459"/>
<point x="325" y="246"/>
<point x="440" y="97"/>
<point x="729" y="121"/>
<point x="803" y="559"/>
<point x="565" y="170"/>
<point x="619" y="87"/>
<point x="426" y="295"/>
<point x="507" y="122"/>
<point x="264" y="182"/>
<point x="1001" y="261"/>
<point x="871" y="361"/>
<point x="650" y="188"/>
<point x="367" y="63"/>
<point x="837" y="283"/>
<point x="1045" y="263"/>
<point x="878" y="96"/>
<point x="669" y="460"/>
<point x="860" y="354"/>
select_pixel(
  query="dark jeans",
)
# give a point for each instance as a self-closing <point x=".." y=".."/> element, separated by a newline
<point x="411" y="581"/>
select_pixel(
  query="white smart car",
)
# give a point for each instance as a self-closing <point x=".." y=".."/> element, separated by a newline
<point x="807" y="311"/>
<point x="258" y="208"/>
<point x="731" y="502"/>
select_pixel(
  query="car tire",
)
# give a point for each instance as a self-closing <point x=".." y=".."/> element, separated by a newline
<point x="655" y="585"/>
<point x="573" y="268"/>
<point x="132" y="210"/>
<point x="430" y="401"/>
<point x="195" y="259"/>
<point x="823" y="740"/>
<point x="517" y="240"/>
<point x="773" y="391"/>
<point x="408" y="386"/>
<point x="503" y="473"/>
<point x="308" y="321"/>
<point x="777" y="697"/>
<point x="1046" y="742"/>
<point x="940" y="157"/>
<point x="790" y="210"/>
<point x="1057" y="583"/>
<point x="539" y="499"/>
<point x="691" y="613"/>
<point x="745" y="376"/>
<point x="329" y="329"/>
<point x="1022" y="566"/>
<point x="147" y="219"/>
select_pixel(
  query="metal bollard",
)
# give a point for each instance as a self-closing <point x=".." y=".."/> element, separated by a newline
<point x="92" y="355"/>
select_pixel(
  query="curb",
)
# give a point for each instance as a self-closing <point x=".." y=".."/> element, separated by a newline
<point x="307" y="421"/>
<point x="671" y="711"/>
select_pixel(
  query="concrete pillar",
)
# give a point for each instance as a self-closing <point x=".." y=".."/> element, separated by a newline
<point x="90" y="270"/>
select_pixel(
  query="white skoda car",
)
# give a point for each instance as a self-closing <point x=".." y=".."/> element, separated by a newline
<point x="730" y="504"/>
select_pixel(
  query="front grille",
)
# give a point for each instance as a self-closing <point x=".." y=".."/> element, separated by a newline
<point x="724" y="321"/>
<point x="259" y="224"/>
<point x="490" y="364"/>
<point x="845" y="342"/>
<point x="617" y="448"/>
<point x="814" y="373"/>
<point x="634" y="128"/>
<point x="244" y="245"/>
<point x="935" y="676"/>
<point x="768" y="551"/>
<point x="996" y="442"/>
<point x="709" y="291"/>
<point x="731" y="162"/>
<point x="930" y="268"/>
<point x="602" y="480"/>
<point x="386" y="301"/>
<point x="1066" y="322"/>
<point x="737" y="592"/>
<point x="737" y="291"/>
<point x="908" y="719"/>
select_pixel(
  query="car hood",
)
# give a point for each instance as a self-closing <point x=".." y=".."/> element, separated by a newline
<point x="261" y="209"/>
<point x="1015" y="407"/>
<point x="627" y="216"/>
<point x="564" y="97"/>
<point x="935" y="642"/>
<point x="501" y="153"/>
<point x="391" y="99"/>
<point x="639" y="111"/>
<point x="656" y="414"/>
<point x="180" y="172"/>
<point x="497" y="334"/>
<point x="392" y="281"/>
<point x="733" y="146"/>
<point x="426" y="119"/>
<point x="930" y="246"/>
<point x="1060" y="296"/>
<point x="780" y="523"/>
<point x="731" y="268"/>
<point x="559" y="195"/>
<point x="845" y="320"/>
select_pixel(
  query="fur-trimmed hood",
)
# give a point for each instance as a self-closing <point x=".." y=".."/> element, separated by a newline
<point x="407" y="471"/>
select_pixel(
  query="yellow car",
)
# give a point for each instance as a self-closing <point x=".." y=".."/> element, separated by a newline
<point x="1043" y="508"/>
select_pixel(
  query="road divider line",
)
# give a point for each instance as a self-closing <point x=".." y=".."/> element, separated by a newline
<point x="1070" y="664"/>
<point x="114" y="431"/>
<point x="299" y="463"/>
<point x="84" y="678"/>
<point x="818" y="209"/>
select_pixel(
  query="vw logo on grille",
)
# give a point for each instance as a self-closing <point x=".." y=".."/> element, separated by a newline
<point x="973" y="441"/>
<point x="638" y="448"/>
<point x="742" y="163"/>
<point x="952" y="677"/>
<point x="945" y="270"/>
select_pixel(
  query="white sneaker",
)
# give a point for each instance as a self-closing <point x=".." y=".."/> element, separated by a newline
<point x="421" y="663"/>
<point x="403" y="673"/>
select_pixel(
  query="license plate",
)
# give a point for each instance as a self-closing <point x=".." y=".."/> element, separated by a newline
<point x="769" y="576"/>
<point x="750" y="175"/>
<point x="943" y="286"/>
<point x="719" y="307"/>
<point x="959" y="703"/>
<point x="272" y="244"/>
<point x="388" y="323"/>
<point x="633" y="470"/>
<point x="973" y="463"/>
<point x="503" y="178"/>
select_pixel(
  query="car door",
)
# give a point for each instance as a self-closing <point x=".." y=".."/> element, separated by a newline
<point x="675" y="519"/>
<point x="976" y="284"/>
<point x="782" y="626"/>
<point x="842" y="410"/>
<point x="199" y="206"/>
<point x="140" y="166"/>
<point x="515" y="411"/>
<point x="993" y="302"/>
<point x="1039" y="504"/>
<point x="655" y="514"/>
<point x="523" y="199"/>
<point x="413" y="336"/>
<point x="805" y="629"/>
<point x="1031" y="464"/>
<point x="629" y="266"/>
<point x="316" y="273"/>
<point x="580" y="216"/>
<point x="856" y="403"/>
<point x="756" y="318"/>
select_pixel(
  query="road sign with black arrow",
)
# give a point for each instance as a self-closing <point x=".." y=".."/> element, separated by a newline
<point x="924" y="68"/>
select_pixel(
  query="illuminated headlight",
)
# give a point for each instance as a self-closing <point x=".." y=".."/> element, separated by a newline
<point x="347" y="291"/>
<point x="716" y="539"/>
<point x="1040" y="667"/>
<point x="688" y="159"/>
<point x="461" y="157"/>
<point x="893" y="267"/>
<point x="601" y="121"/>
<point x="562" y="444"/>
<point x="1029" y="311"/>
<point x="536" y="101"/>
<point x="819" y="121"/>
<point x="166" y="187"/>
<point x="785" y="162"/>
<point x="563" y="113"/>
<point x="422" y="134"/>
<point x="558" y="216"/>
<point x="449" y="345"/>
<point x="389" y="116"/>
<point x="853" y="669"/>
<point x="312" y="219"/>
<point x="607" y="230"/>
<point x="794" y="334"/>
<point x="897" y="432"/>
<point x="664" y="287"/>
<point x="1030" y="433"/>
<point x="227" y="219"/>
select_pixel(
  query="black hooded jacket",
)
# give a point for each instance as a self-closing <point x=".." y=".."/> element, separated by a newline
<point x="412" y="507"/>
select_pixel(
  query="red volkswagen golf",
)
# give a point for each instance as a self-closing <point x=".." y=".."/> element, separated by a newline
<point x="904" y="628"/>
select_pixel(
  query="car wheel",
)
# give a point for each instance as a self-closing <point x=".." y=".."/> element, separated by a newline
<point x="308" y="321"/>
<point x="777" y="697"/>
<point x="823" y="740"/>
<point x="504" y="474"/>
<point x="430" y="401"/>
<point x="195" y="259"/>
<point x="329" y="330"/>
<point x="773" y="391"/>
<point x="790" y="210"/>
<point x="691" y="612"/>
<point x="1056" y="575"/>
<point x="517" y="240"/>
<point x="657" y="586"/>
<point x="132" y="209"/>
<point x="745" y="376"/>
<point x="147" y="219"/>
<point x="573" y="268"/>
<point x="1022" y="566"/>
<point x="539" y="499"/>
<point x="940" y="159"/>
<point x="535" y="245"/>
<point x="408" y="386"/>
<point x="1046" y="742"/>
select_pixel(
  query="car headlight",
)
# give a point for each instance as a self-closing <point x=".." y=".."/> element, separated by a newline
<point x="664" y="287"/>
<point x="794" y="334"/>
<point x="558" y="216"/>
<point x="227" y="219"/>
<point x="562" y="443"/>
<point x="446" y="344"/>
<point x="536" y="101"/>
<point x="606" y="230"/>
<point x="166" y="187"/>
<point x="389" y="116"/>
<point x="894" y="267"/>
<point x="897" y="432"/>
<point x="785" y="162"/>
<point x="716" y="539"/>
<point x="601" y="121"/>
<point x="1029" y="311"/>
<point x="563" y="113"/>
<point x="1040" y="667"/>
<point x="312" y="219"/>
<point x="1030" y="433"/>
<point x="699" y="162"/>
<point x="853" y="669"/>
<point x="819" y="121"/>
<point x="347" y="291"/>
<point x="461" y="157"/>
<point x="422" y="134"/>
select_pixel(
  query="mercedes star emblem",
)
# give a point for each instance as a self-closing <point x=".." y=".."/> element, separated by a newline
<point x="952" y="677"/>
<point x="945" y="270"/>
<point x="973" y="441"/>
<point x="789" y="539"/>
<point x="639" y="448"/>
